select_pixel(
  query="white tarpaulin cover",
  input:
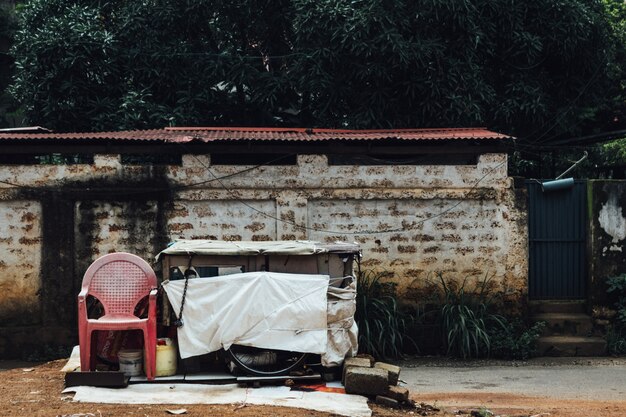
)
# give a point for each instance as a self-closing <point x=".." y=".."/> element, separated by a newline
<point x="284" y="247"/>
<point x="340" y="404"/>
<point x="261" y="309"/>
<point x="342" y="329"/>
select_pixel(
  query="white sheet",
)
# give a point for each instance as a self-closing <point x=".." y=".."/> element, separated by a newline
<point x="341" y="404"/>
<point x="262" y="309"/>
<point x="342" y="329"/>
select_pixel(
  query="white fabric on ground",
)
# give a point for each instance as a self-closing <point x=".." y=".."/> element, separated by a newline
<point x="341" y="404"/>
<point x="73" y="363"/>
<point x="261" y="309"/>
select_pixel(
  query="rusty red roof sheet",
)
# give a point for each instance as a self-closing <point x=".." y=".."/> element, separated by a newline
<point x="213" y="134"/>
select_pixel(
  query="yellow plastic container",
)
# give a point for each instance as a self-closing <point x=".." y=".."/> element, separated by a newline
<point x="166" y="357"/>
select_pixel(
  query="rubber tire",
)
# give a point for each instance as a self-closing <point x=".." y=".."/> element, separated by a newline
<point x="256" y="372"/>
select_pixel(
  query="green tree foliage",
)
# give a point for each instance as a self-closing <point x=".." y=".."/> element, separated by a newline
<point x="7" y="29"/>
<point x="535" y="69"/>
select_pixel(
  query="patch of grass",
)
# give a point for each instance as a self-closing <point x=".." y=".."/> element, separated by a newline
<point x="465" y="317"/>
<point x="382" y="325"/>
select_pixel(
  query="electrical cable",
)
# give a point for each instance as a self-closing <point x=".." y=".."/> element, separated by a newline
<point x="169" y="189"/>
<point x="338" y="232"/>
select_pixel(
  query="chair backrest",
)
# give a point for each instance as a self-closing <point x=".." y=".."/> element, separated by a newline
<point x="119" y="280"/>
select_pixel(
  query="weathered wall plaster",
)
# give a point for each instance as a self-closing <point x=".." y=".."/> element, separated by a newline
<point x="613" y="223"/>
<point x="607" y="235"/>
<point x="411" y="221"/>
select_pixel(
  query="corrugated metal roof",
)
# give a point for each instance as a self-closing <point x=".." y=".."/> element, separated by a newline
<point x="214" y="134"/>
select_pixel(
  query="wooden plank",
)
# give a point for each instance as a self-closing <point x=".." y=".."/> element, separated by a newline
<point x="108" y="379"/>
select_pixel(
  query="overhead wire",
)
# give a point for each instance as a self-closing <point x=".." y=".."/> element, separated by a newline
<point x="175" y="188"/>
<point x="413" y="225"/>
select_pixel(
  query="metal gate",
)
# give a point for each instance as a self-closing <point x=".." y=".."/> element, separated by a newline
<point x="557" y="231"/>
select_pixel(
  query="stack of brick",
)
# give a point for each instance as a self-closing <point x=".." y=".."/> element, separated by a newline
<point x="377" y="380"/>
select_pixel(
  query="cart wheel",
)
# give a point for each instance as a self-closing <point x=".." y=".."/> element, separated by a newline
<point x="265" y="362"/>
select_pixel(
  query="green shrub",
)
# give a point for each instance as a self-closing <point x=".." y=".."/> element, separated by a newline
<point x="382" y="325"/>
<point x="514" y="340"/>
<point x="465" y="317"/>
<point x="616" y="340"/>
<point x="617" y="285"/>
<point x="616" y="333"/>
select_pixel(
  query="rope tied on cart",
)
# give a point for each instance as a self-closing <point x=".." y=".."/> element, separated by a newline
<point x="189" y="272"/>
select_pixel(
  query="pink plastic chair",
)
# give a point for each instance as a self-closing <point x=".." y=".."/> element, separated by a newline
<point x="119" y="281"/>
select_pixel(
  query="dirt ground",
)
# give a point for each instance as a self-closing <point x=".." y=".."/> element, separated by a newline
<point x="36" y="391"/>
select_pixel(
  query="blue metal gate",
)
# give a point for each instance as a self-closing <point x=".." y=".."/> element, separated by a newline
<point x="557" y="232"/>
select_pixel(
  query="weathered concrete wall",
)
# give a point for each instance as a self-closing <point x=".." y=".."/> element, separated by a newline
<point x="411" y="221"/>
<point x="607" y="214"/>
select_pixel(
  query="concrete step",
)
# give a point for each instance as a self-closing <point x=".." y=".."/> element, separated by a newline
<point x="565" y="324"/>
<point x="571" y="346"/>
<point x="557" y="306"/>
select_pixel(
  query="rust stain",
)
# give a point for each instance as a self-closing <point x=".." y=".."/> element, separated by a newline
<point x="407" y="249"/>
<point x="451" y="238"/>
<point x="179" y="227"/>
<point x="464" y="250"/>
<point x="432" y="249"/>
<point x="368" y="263"/>
<point x="445" y="225"/>
<point x="255" y="227"/>
<point x="380" y="249"/>
<point x="118" y="228"/>
<point x="488" y="250"/>
<point x="29" y="241"/>
<point x="102" y="215"/>
<point x="205" y="237"/>
<point x="28" y="217"/>
<point x="203" y="211"/>
<point x="289" y="216"/>
<point x="423" y="238"/>
<point x="398" y="238"/>
<point x="383" y="226"/>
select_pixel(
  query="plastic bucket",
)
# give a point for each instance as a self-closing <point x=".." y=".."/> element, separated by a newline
<point x="131" y="362"/>
<point x="166" y="357"/>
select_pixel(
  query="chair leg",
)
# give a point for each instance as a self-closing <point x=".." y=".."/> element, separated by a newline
<point x="149" y="346"/>
<point x="84" y="341"/>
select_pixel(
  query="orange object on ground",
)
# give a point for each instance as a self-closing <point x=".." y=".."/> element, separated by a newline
<point x="318" y="387"/>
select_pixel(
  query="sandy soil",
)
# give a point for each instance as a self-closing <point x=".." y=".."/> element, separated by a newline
<point x="36" y="391"/>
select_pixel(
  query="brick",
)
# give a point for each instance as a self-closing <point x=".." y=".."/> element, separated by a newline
<point x="386" y="401"/>
<point x="364" y="361"/>
<point x="394" y="371"/>
<point x="399" y="394"/>
<point x="366" y="381"/>
<point x="361" y="362"/>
